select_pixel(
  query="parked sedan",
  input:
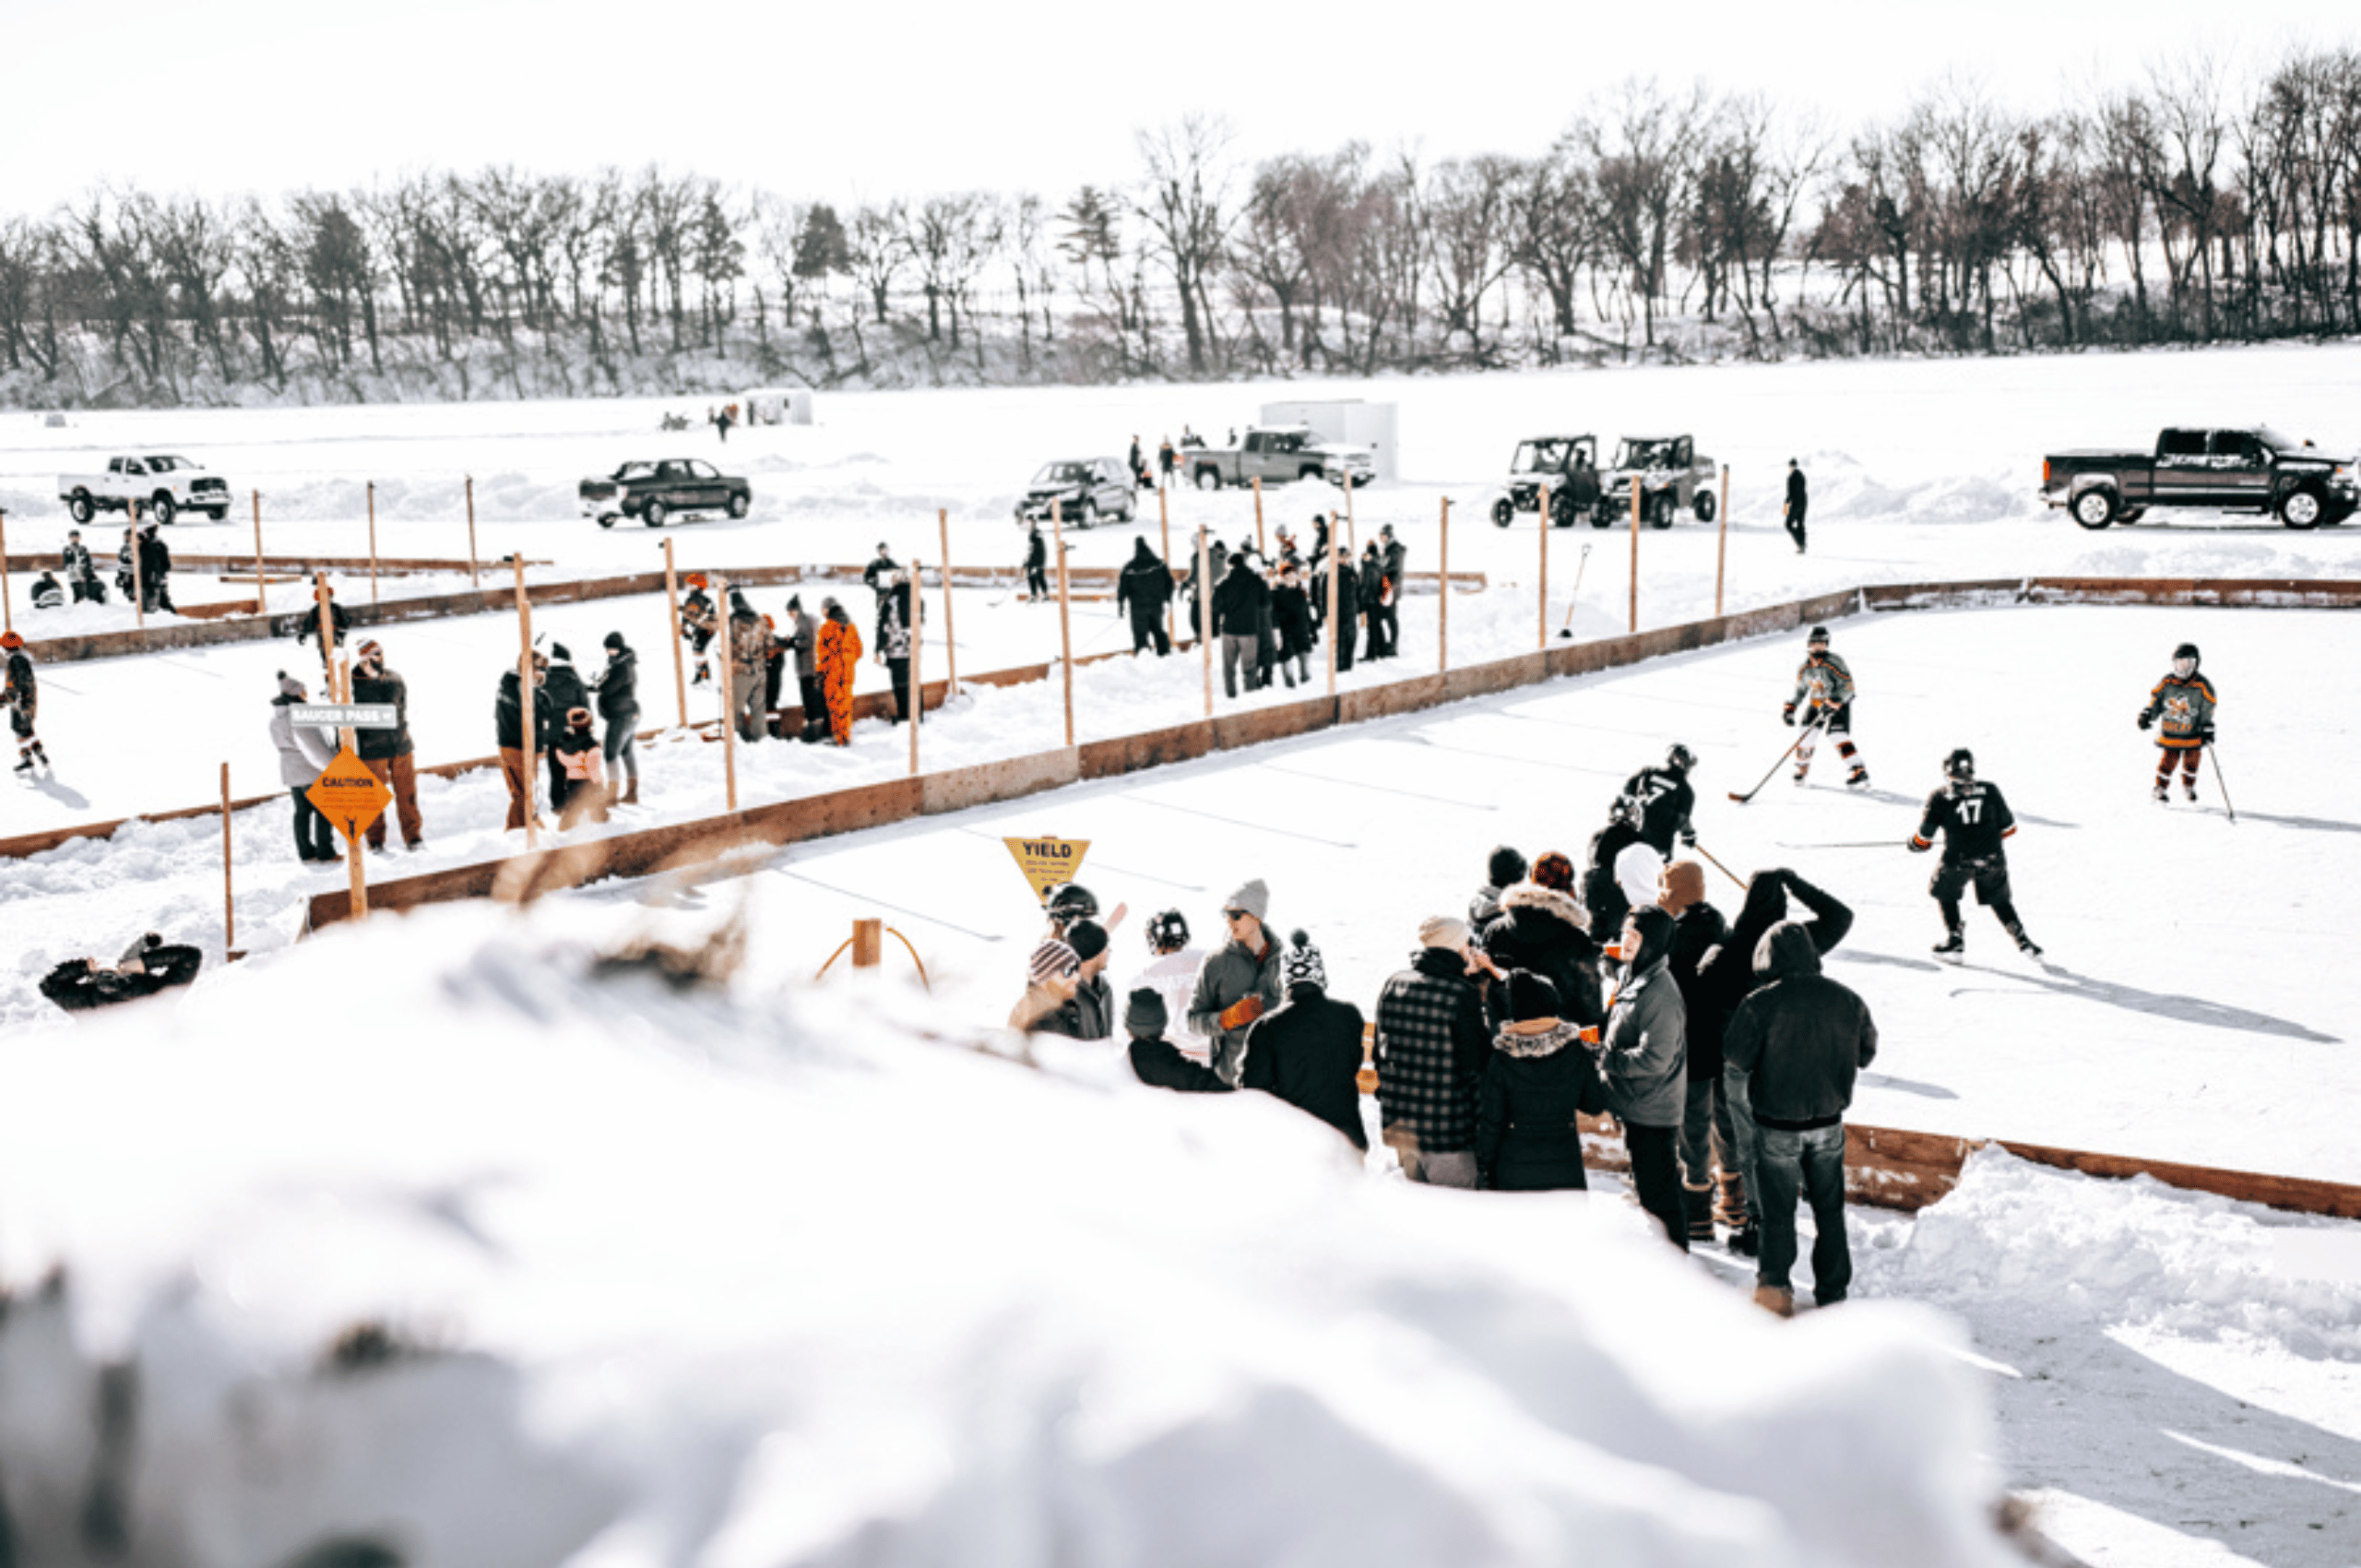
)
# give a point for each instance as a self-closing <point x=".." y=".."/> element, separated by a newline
<point x="654" y="493"/>
<point x="1086" y="490"/>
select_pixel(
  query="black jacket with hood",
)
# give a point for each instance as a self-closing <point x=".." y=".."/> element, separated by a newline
<point x="1145" y="585"/>
<point x="1727" y="977"/>
<point x="1526" y="1139"/>
<point x="1545" y="930"/>
<point x="1802" y="1038"/>
<point x="1309" y="1053"/>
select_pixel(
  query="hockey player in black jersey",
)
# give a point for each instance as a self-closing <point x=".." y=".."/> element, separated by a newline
<point x="1973" y="821"/>
<point x="1657" y="801"/>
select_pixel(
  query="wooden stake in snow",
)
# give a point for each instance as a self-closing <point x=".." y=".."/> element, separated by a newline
<point x="1722" y="542"/>
<point x="950" y="628"/>
<point x="1065" y="625"/>
<point x="1443" y="604"/>
<point x="262" y="589"/>
<point x="475" y="576"/>
<point x="868" y="944"/>
<point x="7" y="610"/>
<point x="1206" y="614"/>
<point x="917" y="679"/>
<point x="528" y="708"/>
<point x="1335" y="553"/>
<point x="229" y="900"/>
<point x="1542" y="638"/>
<point x="139" y="567"/>
<point x="1636" y="553"/>
<point x="1260" y="547"/>
<point x="373" y="542"/>
<point x="679" y="666"/>
<point x="727" y="638"/>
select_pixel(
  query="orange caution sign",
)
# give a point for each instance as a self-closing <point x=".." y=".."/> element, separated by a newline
<point x="1047" y="861"/>
<point x="348" y="795"/>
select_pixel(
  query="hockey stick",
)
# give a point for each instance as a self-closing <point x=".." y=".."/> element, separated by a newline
<point x="1852" y="844"/>
<point x="2212" y="751"/>
<point x="1798" y="741"/>
<point x="1717" y="865"/>
<point x="1574" y="595"/>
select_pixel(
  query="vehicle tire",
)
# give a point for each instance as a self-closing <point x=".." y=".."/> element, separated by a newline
<point x="1310" y="471"/>
<point x="1504" y="512"/>
<point x="1703" y="506"/>
<point x="1087" y="514"/>
<point x="219" y="513"/>
<point x="162" y="507"/>
<point x="653" y="514"/>
<point x="79" y="507"/>
<point x="606" y="519"/>
<point x="1602" y="516"/>
<point x="1658" y="509"/>
<point x="2094" y="509"/>
<point x="739" y="504"/>
<point x="2303" y="507"/>
<point x="2130" y="515"/>
<point x="1208" y="479"/>
<point x="1565" y="510"/>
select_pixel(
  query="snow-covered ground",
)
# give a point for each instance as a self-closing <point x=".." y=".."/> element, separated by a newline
<point x="2173" y="1375"/>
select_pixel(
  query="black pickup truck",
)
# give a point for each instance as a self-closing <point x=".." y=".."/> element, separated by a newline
<point x="2249" y="468"/>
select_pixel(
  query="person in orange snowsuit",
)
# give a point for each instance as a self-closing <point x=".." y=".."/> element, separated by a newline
<point x="838" y="656"/>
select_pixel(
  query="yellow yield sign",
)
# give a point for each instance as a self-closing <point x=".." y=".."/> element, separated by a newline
<point x="1047" y="861"/>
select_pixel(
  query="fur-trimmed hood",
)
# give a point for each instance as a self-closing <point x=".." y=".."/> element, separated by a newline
<point x="1548" y="1042"/>
<point x="1548" y="900"/>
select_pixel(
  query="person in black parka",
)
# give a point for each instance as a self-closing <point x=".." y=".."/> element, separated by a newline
<point x="1309" y="1052"/>
<point x="148" y="966"/>
<point x="618" y="687"/>
<point x="566" y="691"/>
<point x="1145" y="587"/>
<point x="1539" y="1077"/>
<point x="1155" y="1060"/>
<point x="1543" y="928"/>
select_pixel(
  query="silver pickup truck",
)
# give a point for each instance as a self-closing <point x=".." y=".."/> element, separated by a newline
<point x="1278" y="457"/>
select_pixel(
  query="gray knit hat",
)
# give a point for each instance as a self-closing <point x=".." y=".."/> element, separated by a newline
<point x="1145" y="1014"/>
<point x="1255" y="898"/>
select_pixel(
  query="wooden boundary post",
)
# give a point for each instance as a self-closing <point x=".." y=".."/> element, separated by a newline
<point x="1543" y="636"/>
<point x="7" y="610"/>
<point x="1172" y="601"/>
<point x="1352" y="529"/>
<point x="139" y="567"/>
<point x="680" y="663"/>
<point x="475" y="575"/>
<point x="229" y="898"/>
<point x="727" y="637"/>
<point x="373" y="542"/>
<point x="950" y="628"/>
<point x="528" y="731"/>
<point x="916" y="681"/>
<point x="1206" y="613"/>
<point x="1260" y="547"/>
<point x="1636" y="553"/>
<point x="1065" y="626"/>
<point x="1335" y="554"/>
<point x="262" y="589"/>
<point x="1722" y="542"/>
<point x="1443" y="605"/>
<point x="868" y="943"/>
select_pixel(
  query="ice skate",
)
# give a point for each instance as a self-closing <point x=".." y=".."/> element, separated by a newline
<point x="1858" y="779"/>
<point x="1951" y="948"/>
<point x="1802" y="774"/>
<point x="25" y="766"/>
<point x="2162" y="792"/>
<point x="2189" y="791"/>
<point x="2024" y="944"/>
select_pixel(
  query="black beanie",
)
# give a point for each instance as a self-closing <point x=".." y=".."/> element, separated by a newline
<point x="1087" y="938"/>
<point x="1145" y="1014"/>
<point x="1506" y="867"/>
<point x="614" y="639"/>
<point x="559" y="650"/>
<point x="1531" y="996"/>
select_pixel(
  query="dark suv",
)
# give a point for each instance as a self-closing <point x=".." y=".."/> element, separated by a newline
<point x="655" y="492"/>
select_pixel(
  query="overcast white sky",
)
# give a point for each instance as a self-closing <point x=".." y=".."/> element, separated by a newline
<point x="853" y="100"/>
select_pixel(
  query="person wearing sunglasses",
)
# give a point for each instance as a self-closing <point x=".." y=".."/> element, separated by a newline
<point x="1239" y="983"/>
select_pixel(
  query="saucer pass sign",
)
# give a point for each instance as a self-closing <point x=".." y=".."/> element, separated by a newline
<point x="1047" y="861"/>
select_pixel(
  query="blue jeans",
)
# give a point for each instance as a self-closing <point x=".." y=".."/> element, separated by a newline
<point x="1812" y="1165"/>
<point x="1737" y="1100"/>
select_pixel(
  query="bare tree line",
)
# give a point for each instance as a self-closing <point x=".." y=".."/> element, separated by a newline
<point x="1661" y="221"/>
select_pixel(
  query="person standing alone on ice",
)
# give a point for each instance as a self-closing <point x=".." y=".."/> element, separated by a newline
<point x="20" y="694"/>
<point x="1974" y="820"/>
<point x="838" y="656"/>
<point x="387" y="752"/>
<point x="1799" y="1041"/>
<point x="1037" y="566"/>
<point x="1239" y="983"/>
<point x="1824" y="691"/>
<point x="1146" y="587"/>
<point x="2185" y="701"/>
<point x="1798" y="501"/>
<point x="303" y="754"/>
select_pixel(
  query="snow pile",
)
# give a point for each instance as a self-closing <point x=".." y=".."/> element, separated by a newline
<point x="1843" y="488"/>
<point x="2016" y="1238"/>
<point x="514" y="1264"/>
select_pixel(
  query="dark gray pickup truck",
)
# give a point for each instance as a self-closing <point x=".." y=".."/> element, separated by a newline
<point x="2249" y="468"/>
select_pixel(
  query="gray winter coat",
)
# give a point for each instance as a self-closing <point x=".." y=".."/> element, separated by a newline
<point x="1229" y="977"/>
<point x="303" y="752"/>
<point x="803" y="634"/>
<point x="1645" y="1052"/>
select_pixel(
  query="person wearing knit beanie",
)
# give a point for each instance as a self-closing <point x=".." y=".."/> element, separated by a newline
<point x="1303" y="964"/>
<point x="1502" y="871"/>
<point x="1155" y="1061"/>
<point x="1307" y="1052"/>
<point x="1240" y="982"/>
<point x="1681" y="883"/>
<point x="1441" y="931"/>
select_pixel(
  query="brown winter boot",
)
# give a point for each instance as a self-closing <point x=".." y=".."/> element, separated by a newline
<point x="1770" y="1298"/>
<point x="1697" y="1203"/>
<point x="1729" y="1199"/>
<point x="631" y="794"/>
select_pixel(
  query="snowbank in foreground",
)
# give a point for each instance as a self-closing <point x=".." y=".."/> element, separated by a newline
<point x="653" y="1277"/>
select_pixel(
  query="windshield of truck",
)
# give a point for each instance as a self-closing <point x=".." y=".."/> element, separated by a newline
<point x="1644" y="455"/>
<point x="2275" y="441"/>
<point x="167" y="464"/>
<point x="1063" y="473"/>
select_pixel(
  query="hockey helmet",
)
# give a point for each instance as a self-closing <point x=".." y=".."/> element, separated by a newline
<point x="1168" y="932"/>
<point x="1960" y="765"/>
<point x="1680" y="759"/>
<point x="2185" y="655"/>
<point x="11" y="640"/>
<point x="1070" y="901"/>
<point x="1817" y="638"/>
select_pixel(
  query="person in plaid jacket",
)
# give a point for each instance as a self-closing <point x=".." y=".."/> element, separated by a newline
<point x="1434" y="1044"/>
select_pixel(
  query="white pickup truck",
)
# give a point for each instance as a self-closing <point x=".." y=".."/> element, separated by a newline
<point x="164" y="486"/>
